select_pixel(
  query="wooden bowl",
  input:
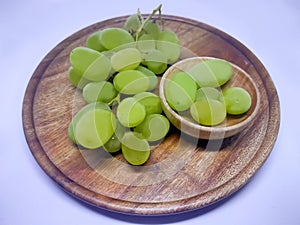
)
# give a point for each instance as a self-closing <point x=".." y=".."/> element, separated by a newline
<point x="232" y="124"/>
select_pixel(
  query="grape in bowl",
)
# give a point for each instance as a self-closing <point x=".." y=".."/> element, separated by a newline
<point x="209" y="98"/>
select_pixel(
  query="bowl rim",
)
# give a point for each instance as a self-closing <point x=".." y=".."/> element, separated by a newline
<point x="194" y="125"/>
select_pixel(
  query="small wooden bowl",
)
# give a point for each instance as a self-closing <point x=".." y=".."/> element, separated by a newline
<point x="232" y="124"/>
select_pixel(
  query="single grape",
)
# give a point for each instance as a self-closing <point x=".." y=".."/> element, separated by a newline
<point x="237" y="100"/>
<point x="126" y="59"/>
<point x="146" y="43"/>
<point x="132" y="23"/>
<point x="168" y="43"/>
<point x="180" y="91"/>
<point x="75" y="77"/>
<point x="94" y="128"/>
<point x="208" y="93"/>
<point x="113" y="145"/>
<point x="130" y="112"/>
<point x="156" y="61"/>
<point x="131" y="82"/>
<point x="94" y="42"/>
<point x="150" y="101"/>
<point x="153" y="81"/>
<point x="208" y="112"/>
<point x="135" y="150"/>
<point x="211" y="73"/>
<point x="103" y="91"/>
<point x="114" y="37"/>
<point x="91" y="64"/>
<point x="152" y="28"/>
<point x="154" y="127"/>
<point x="82" y="111"/>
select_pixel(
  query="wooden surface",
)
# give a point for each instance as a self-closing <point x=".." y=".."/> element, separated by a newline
<point x="183" y="173"/>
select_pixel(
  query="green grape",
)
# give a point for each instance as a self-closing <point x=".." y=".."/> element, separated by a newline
<point x="131" y="82"/>
<point x="152" y="28"/>
<point x="150" y="101"/>
<point x="113" y="145"/>
<point x="135" y="150"/>
<point x="92" y="64"/>
<point x="153" y="81"/>
<point x="208" y="112"/>
<point x="146" y="43"/>
<point x="132" y="23"/>
<point x="94" y="128"/>
<point x="208" y="93"/>
<point x="168" y="43"/>
<point x="120" y="130"/>
<point x="94" y="42"/>
<point x="114" y="37"/>
<point x="180" y="91"/>
<point x="122" y="47"/>
<point x="75" y="77"/>
<point x="211" y="73"/>
<point x="130" y="112"/>
<point x="102" y="91"/>
<point x="126" y="59"/>
<point x="82" y="111"/>
<point x="156" y="61"/>
<point x="154" y="127"/>
<point x="71" y="132"/>
<point x="237" y="100"/>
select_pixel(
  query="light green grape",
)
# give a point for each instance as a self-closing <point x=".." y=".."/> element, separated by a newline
<point x="94" y="42"/>
<point x="92" y="64"/>
<point x="180" y="91"/>
<point x="103" y="91"/>
<point x="153" y="81"/>
<point x="156" y="61"/>
<point x="135" y="150"/>
<point x="237" y="100"/>
<point x="168" y="43"/>
<point x="152" y="28"/>
<point x="94" y="128"/>
<point x="208" y="112"/>
<point x="82" y="111"/>
<point x="75" y="77"/>
<point x="120" y="130"/>
<point x="126" y="59"/>
<point x="113" y="37"/>
<point x="146" y="43"/>
<point x="113" y="145"/>
<point x="132" y="23"/>
<point x="150" y="101"/>
<point x="208" y="93"/>
<point x="211" y="73"/>
<point x="131" y="82"/>
<point x="71" y="132"/>
<point x="154" y="127"/>
<point x="130" y="112"/>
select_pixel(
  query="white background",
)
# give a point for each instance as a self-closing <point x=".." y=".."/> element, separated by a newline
<point x="30" y="29"/>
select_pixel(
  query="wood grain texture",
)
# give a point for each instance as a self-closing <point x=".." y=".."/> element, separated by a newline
<point x="183" y="173"/>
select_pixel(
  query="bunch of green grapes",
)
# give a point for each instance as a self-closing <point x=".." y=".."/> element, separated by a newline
<point x="198" y="90"/>
<point x="117" y="72"/>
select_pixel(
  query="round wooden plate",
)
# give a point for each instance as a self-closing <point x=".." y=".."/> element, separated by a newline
<point x="183" y="173"/>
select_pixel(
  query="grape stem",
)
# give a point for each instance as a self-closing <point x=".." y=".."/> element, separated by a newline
<point x="144" y="21"/>
<point x="116" y="99"/>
